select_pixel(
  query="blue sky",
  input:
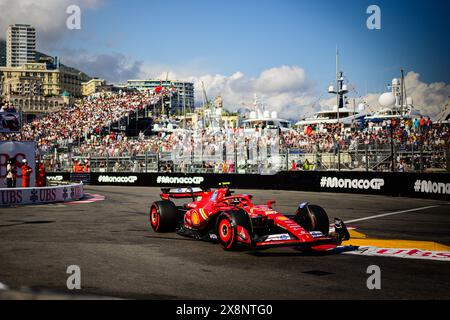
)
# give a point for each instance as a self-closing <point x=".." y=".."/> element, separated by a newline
<point x="239" y="47"/>
<point x="253" y="35"/>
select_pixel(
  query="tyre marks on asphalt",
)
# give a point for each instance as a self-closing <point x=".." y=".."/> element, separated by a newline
<point x="390" y="214"/>
<point x="88" y="198"/>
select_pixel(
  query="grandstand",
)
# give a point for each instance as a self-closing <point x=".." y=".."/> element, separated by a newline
<point x="105" y="132"/>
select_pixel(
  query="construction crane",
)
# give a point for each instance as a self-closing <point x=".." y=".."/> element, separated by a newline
<point x="163" y="109"/>
<point x="207" y="105"/>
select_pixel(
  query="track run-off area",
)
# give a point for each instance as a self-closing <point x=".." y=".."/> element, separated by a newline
<point x="109" y="237"/>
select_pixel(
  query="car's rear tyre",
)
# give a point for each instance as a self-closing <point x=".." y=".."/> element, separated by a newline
<point x="227" y="232"/>
<point x="314" y="218"/>
<point x="163" y="216"/>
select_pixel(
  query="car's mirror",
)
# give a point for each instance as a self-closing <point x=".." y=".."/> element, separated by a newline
<point x="270" y="203"/>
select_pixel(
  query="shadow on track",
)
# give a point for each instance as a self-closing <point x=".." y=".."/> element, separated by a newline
<point x="26" y="222"/>
<point x="303" y="253"/>
<point x="170" y="238"/>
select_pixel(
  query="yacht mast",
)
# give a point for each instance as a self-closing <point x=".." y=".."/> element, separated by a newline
<point x="340" y="90"/>
<point x="337" y="84"/>
<point x="402" y="80"/>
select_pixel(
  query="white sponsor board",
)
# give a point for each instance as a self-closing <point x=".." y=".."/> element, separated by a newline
<point x="401" y="253"/>
<point x="21" y="196"/>
<point x="427" y="186"/>
<point x="361" y="184"/>
<point x="117" y="179"/>
<point x="179" y="180"/>
<point x="17" y="151"/>
<point x="56" y="178"/>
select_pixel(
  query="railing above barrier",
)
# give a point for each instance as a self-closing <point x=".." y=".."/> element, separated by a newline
<point x="359" y="157"/>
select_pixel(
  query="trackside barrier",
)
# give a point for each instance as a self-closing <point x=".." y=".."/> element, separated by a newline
<point x="23" y="196"/>
<point x="416" y="185"/>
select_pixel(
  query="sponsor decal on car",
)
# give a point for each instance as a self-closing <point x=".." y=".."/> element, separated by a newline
<point x="242" y="234"/>
<point x="214" y="196"/>
<point x="185" y="190"/>
<point x="195" y="218"/>
<point x="425" y="186"/>
<point x="203" y="214"/>
<point x="179" y="180"/>
<point x="212" y="236"/>
<point x="278" y="237"/>
<point x="316" y="234"/>
<point x="361" y="184"/>
<point x="117" y="179"/>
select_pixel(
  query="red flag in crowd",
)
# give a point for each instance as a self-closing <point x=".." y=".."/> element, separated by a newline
<point x="158" y="89"/>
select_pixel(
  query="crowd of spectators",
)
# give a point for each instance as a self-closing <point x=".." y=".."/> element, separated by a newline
<point x="182" y="145"/>
<point x="417" y="144"/>
<point x="405" y="135"/>
<point x="83" y="127"/>
<point x="67" y="126"/>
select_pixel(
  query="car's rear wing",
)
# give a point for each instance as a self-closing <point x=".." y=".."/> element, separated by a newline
<point x="181" y="193"/>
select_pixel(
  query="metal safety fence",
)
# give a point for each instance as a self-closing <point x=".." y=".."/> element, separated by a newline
<point x="249" y="156"/>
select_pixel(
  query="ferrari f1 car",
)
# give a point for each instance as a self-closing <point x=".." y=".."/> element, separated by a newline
<point x="236" y="223"/>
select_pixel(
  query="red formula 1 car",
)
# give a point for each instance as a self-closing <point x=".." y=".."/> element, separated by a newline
<point x="236" y="223"/>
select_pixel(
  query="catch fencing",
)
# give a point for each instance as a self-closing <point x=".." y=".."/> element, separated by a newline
<point x="250" y="157"/>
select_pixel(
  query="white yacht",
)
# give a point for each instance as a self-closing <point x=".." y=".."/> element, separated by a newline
<point x="346" y="116"/>
<point x="339" y="113"/>
<point x="394" y="104"/>
<point x="264" y="119"/>
<point x="165" y="125"/>
<point x="386" y="114"/>
<point x="269" y="121"/>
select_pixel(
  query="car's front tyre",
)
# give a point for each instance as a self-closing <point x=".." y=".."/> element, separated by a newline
<point x="227" y="232"/>
<point x="313" y="218"/>
<point x="233" y="230"/>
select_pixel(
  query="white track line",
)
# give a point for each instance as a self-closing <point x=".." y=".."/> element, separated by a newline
<point x="389" y="214"/>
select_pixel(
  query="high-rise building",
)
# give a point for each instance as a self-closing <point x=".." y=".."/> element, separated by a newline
<point x="183" y="97"/>
<point x="20" y="45"/>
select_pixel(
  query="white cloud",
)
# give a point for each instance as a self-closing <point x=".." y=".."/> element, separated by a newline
<point x="282" y="79"/>
<point x="285" y="89"/>
<point x="428" y="98"/>
<point x="47" y="16"/>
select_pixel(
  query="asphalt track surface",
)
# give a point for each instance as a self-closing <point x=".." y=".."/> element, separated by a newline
<point x="121" y="257"/>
